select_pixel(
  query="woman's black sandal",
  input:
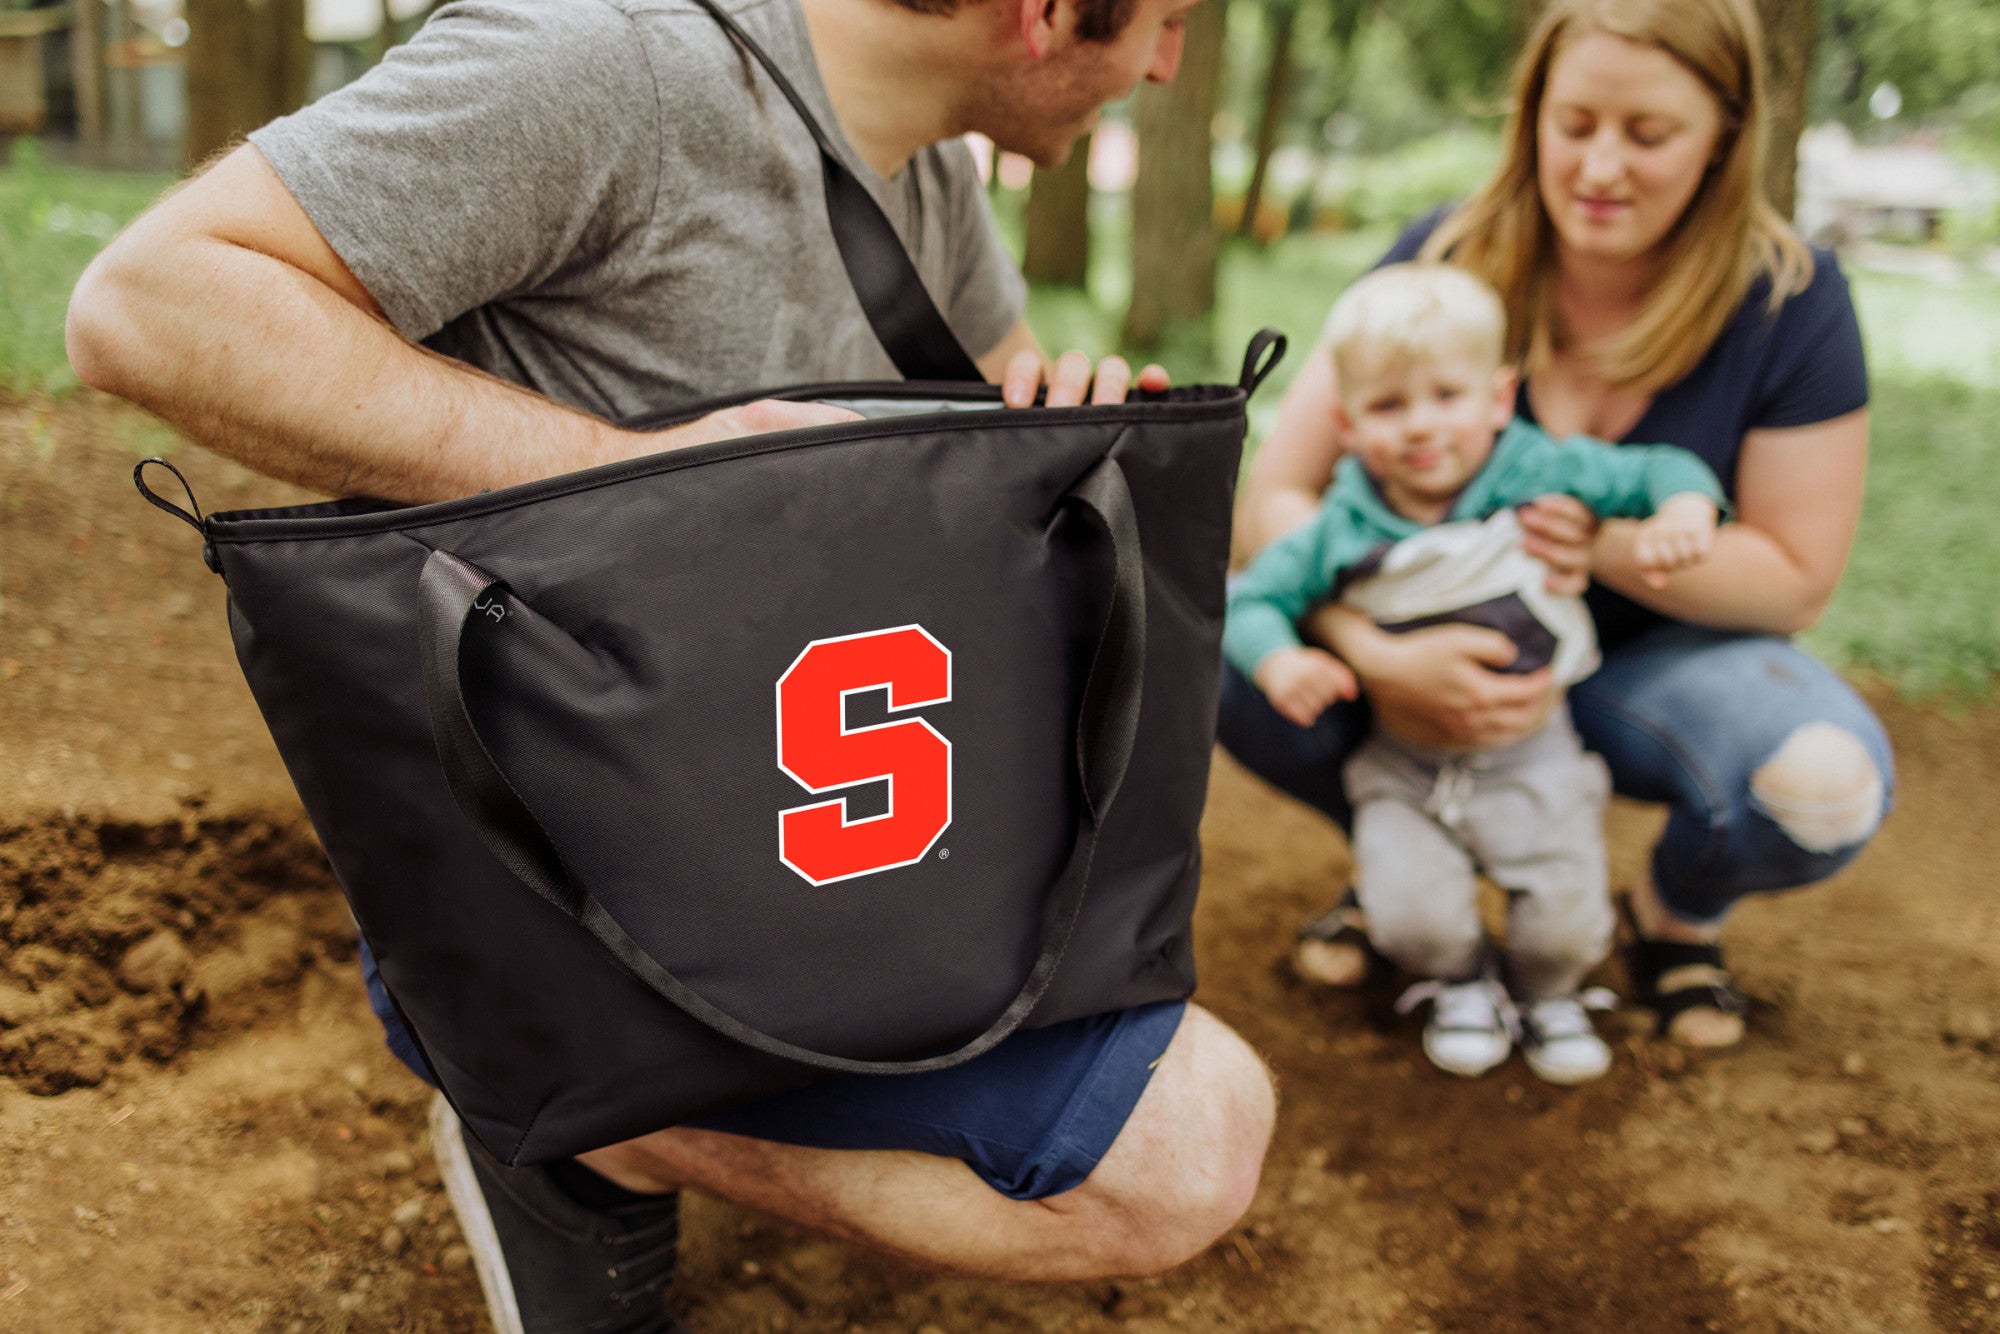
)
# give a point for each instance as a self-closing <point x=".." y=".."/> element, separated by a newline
<point x="1344" y="924"/>
<point x="1648" y="960"/>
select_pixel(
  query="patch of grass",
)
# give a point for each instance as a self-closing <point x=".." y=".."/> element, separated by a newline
<point x="52" y="221"/>
<point x="1924" y="327"/>
<point x="1918" y="601"/>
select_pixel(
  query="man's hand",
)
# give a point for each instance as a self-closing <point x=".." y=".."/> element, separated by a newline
<point x="1302" y="683"/>
<point x="1071" y="379"/>
<point x="1678" y="535"/>
<point x="1558" y="530"/>
<point x="760" y="417"/>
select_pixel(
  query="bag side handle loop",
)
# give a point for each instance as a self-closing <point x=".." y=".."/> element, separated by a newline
<point x="194" y="520"/>
<point x="451" y="591"/>
<point x="1263" y="341"/>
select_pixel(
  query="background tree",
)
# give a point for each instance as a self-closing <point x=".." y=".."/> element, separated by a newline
<point x="1058" y="222"/>
<point x="1173" y="199"/>
<point x="1788" y="49"/>
<point x="1281" y="20"/>
<point x="1942" y="57"/>
<point x="247" y="62"/>
<point x="1464" y="48"/>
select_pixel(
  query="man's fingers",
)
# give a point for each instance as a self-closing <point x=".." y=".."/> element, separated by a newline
<point x="1070" y="381"/>
<point x="1021" y="379"/>
<point x="1113" y="381"/>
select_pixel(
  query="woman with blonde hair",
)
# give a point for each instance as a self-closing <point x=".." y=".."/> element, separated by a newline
<point x="1652" y="295"/>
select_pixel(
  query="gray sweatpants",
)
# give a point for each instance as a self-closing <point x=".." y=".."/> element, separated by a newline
<point x="1531" y="815"/>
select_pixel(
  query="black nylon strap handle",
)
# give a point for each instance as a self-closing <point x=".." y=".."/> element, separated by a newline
<point x="899" y="308"/>
<point x="451" y="591"/>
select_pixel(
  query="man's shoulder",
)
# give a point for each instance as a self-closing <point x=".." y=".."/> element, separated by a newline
<point x="684" y="34"/>
<point x="675" y="36"/>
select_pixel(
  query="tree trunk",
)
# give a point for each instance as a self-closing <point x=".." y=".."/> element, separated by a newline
<point x="1173" y="199"/>
<point x="385" y="36"/>
<point x="1058" y="215"/>
<point x="247" y="63"/>
<point x="1788" y="45"/>
<point x="1284" y="21"/>
<point x="86" y="66"/>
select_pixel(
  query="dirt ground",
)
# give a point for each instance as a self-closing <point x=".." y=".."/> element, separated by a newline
<point x="200" y="1130"/>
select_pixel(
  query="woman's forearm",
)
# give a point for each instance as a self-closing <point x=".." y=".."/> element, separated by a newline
<point x="1748" y="582"/>
<point x="1282" y="487"/>
<point x="1271" y="513"/>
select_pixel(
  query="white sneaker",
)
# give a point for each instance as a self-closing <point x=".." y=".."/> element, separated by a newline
<point x="1472" y="1024"/>
<point x="1558" y="1040"/>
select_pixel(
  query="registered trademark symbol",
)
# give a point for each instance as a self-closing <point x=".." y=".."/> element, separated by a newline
<point x="944" y="854"/>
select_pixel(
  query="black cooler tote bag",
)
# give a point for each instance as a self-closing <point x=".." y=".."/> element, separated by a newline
<point x="690" y="779"/>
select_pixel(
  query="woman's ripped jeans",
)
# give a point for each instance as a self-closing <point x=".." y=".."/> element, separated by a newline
<point x="1774" y="771"/>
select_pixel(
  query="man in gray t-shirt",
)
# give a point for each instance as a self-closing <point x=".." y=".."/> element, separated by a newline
<point x="540" y="217"/>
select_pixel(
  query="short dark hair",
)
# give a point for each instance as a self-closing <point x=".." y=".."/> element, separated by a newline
<point x="1096" y="20"/>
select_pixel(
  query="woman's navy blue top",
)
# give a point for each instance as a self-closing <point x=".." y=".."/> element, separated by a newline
<point x="1800" y="365"/>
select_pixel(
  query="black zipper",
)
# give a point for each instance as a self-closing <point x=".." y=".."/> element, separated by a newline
<point x="295" y="526"/>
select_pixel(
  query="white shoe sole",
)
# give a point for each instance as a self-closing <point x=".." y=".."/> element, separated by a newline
<point x="1464" y="1070"/>
<point x="1558" y="1075"/>
<point x="468" y="1201"/>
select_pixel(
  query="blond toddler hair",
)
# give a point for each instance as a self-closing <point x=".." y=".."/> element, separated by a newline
<point x="1404" y="314"/>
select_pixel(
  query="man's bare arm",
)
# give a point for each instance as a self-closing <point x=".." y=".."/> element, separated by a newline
<point x="223" y="311"/>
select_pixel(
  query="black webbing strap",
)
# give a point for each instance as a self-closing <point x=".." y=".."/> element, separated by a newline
<point x="451" y="591"/>
<point x="905" y="319"/>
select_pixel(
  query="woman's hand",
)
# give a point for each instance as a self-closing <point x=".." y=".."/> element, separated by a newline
<point x="1559" y="530"/>
<point x="1440" y="686"/>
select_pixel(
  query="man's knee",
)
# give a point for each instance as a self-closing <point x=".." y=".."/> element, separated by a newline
<point x="1186" y="1166"/>
<point x="1821" y="787"/>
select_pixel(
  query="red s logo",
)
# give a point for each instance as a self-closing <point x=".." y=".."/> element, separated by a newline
<point x="818" y="752"/>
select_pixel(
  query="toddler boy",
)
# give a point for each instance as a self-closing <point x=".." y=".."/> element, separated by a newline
<point x="1418" y="529"/>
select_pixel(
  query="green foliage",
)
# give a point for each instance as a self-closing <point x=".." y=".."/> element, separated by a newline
<point x="1942" y="55"/>
<point x="52" y="221"/>
<point x="1393" y="188"/>
<point x="1917" y="603"/>
<point x="1368" y="75"/>
<point x="1468" y="46"/>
